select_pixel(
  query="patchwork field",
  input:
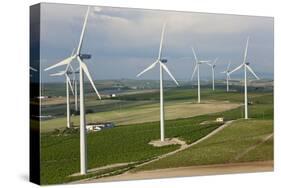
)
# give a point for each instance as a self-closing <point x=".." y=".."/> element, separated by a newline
<point x="242" y="141"/>
<point x="146" y="113"/>
<point x="125" y="148"/>
<point x="128" y="143"/>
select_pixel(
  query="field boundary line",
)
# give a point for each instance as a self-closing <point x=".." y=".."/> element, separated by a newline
<point x="239" y="156"/>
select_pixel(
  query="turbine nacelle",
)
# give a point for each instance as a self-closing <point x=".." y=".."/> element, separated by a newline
<point x="72" y="72"/>
<point x="247" y="63"/>
<point x="85" y="56"/>
<point x="164" y="60"/>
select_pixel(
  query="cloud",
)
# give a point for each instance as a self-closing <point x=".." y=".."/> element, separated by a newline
<point x="122" y="37"/>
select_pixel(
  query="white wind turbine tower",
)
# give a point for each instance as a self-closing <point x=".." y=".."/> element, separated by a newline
<point x="76" y="90"/>
<point x="213" y="66"/>
<point x="82" y="69"/>
<point x="68" y="83"/>
<point x="162" y="66"/>
<point x="75" y="83"/>
<point x="197" y="67"/>
<point x="74" y="72"/>
<point x="227" y="74"/>
<point x="246" y="66"/>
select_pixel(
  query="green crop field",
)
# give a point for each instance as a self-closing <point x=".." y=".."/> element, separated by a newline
<point x="139" y="117"/>
<point x="226" y="147"/>
<point x="60" y="154"/>
<point x="93" y="106"/>
<point x="144" y="113"/>
<point x="191" y="94"/>
<point x="146" y="109"/>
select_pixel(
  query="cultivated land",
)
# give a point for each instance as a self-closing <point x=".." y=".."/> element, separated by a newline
<point x="144" y="107"/>
<point x="235" y="143"/>
<point x="124" y="148"/>
<point x="128" y="143"/>
<point x="146" y="113"/>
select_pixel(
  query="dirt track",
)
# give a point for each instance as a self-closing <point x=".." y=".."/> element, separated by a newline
<point x="262" y="166"/>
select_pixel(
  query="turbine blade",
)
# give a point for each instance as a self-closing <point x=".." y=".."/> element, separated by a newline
<point x="69" y="64"/>
<point x="83" y="31"/>
<point x="170" y="74"/>
<point x="63" y="62"/>
<point x="228" y="66"/>
<point x="148" y="68"/>
<point x="73" y="73"/>
<point x="246" y="51"/>
<point x="215" y="61"/>
<point x="58" y="74"/>
<point x="72" y="53"/>
<point x="73" y="80"/>
<point x="67" y="67"/>
<point x="71" y="68"/>
<point x="209" y="64"/>
<point x="253" y="73"/>
<point x="33" y="69"/>
<point x="237" y="68"/>
<point x="204" y="61"/>
<point x="85" y="69"/>
<point x="194" y="54"/>
<point x="195" y="68"/>
<point x="161" y="41"/>
<point x="69" y="83"/>
<point x="228" y="75"/>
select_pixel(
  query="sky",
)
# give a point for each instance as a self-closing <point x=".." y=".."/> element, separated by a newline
<point x="124" y="41"/>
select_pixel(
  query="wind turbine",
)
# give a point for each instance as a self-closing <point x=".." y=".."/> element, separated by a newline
<point x="74" y="79"/>
<point x="76" y="90"/>
<point x="68" y="83"/>
<point x="227" y="74"/>
<point x="197" y="67"/>
<point x="213" y="65"/>
<point x="162" y="66"/>
<point x="82" y="69"/>
<point x="74" y="72"/>
<point x="246" y="66"/>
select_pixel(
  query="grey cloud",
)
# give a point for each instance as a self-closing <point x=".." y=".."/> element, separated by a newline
<point x="118" y="37"/>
